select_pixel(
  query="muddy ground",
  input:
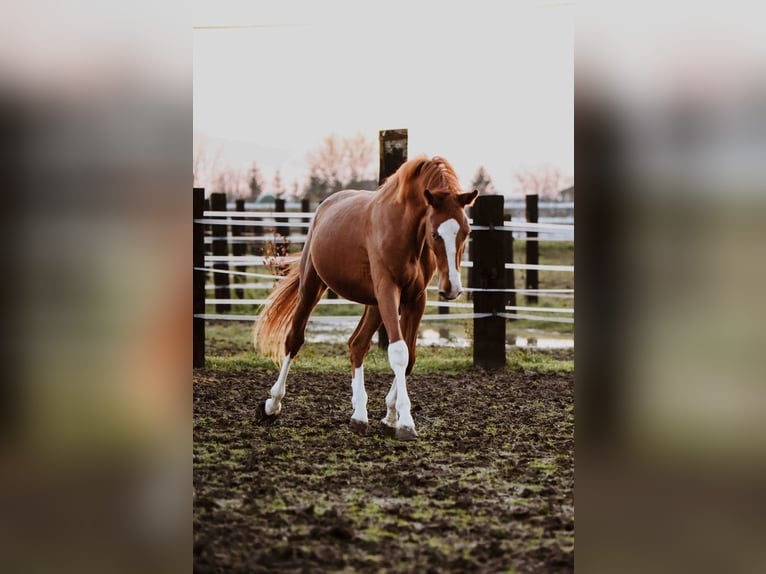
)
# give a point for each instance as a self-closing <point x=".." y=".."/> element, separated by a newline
<point x="487" y="487"/>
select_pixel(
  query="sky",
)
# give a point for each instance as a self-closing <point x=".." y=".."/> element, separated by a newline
<point x="483" y="83"/>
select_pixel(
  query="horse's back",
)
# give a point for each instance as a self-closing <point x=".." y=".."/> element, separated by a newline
<point x="347" y="198"/>
<point x="344" y="212"/>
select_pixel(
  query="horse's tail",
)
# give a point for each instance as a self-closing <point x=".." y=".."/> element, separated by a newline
<point x="274" y="321"/>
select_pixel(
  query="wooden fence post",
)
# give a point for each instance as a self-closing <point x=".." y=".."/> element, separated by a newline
<point x="489" y="273"/>
<point x="220" y="247"/>
<point x="533" y="248"/>
<point x="238" y="248"/>
<point x="305" y="208"/>
<point x="393" y="153"/>
<point x="256" y="246"/>
<point x="279" y="207"/>
<point x="198" y="280"/>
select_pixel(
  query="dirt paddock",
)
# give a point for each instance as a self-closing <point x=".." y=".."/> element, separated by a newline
<point x="487" y="487"/>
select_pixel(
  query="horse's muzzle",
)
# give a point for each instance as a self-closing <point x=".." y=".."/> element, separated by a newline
<point x="450" y="296"/>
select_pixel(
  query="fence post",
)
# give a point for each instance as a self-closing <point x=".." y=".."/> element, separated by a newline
<point x="393" y="153"/>
<point x="533" y="247"/>
<point x="306" y="206"/>
<point x="489" y="273"/>
<point x="198" y="279"/>
<point x="237" y="246"/>
<point x="279" y="207"/>
<point x="256" y="245"/>
<point x="220" y="247"/>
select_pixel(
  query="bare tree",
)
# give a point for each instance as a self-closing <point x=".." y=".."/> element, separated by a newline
<point x="326" y="162"/>
<point x="277" y="185"/>
<point x="546" y="181"/>
<point x="482" y="181"/>
<point x="359" y="157"/>
<point x="340" y="163"/>
<point x="230" y="182"/>
<point x="255" y="182"/>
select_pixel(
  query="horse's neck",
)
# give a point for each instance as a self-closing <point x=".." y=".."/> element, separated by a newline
<point x="403" y="227"/>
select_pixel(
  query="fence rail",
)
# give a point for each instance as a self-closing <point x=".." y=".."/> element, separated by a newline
<point x="490" y="273"/>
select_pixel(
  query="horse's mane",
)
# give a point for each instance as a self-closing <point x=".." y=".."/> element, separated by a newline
<point x="437" y="176"/>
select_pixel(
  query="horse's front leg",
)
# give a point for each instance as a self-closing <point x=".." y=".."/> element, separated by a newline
<point x="411" y="313"/>
<point x="398" y="358"/>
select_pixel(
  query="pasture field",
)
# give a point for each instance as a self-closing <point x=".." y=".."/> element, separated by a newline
<point x="488" y="486"/>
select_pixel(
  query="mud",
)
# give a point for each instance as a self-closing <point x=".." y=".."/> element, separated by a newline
<point x="487" y="486"/>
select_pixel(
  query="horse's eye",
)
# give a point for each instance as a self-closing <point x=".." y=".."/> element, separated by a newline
<point x="434" y="235"/>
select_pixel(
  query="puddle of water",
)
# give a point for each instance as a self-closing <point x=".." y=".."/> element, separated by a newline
<point x="445" y="337"/>
<point x="541" y="342"/>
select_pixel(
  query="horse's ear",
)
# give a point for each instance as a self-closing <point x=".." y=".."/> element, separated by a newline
<point x="468" y="198"/>
<point x="434" y="200"/>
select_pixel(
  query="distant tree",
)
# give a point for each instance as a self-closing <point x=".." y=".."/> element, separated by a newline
<point x="255" y="182"/>
<point x="359" y="159"/>
<point x="316" y="189"/>
<point x="545" y="181"/>
<point x="340" y="164"/>
<point x="278" y="187"/>
<point x="326" y="163"/>
<point x="230" y="182"/>
<point x="483" y="182"/>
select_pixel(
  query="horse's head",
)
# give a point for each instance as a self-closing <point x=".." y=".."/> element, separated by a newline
<point x="447" y="231"/>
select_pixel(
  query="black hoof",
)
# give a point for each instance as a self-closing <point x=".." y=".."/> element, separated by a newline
<point x="359" y="427"/>
<point x="406" y="433"/>
<point x="264" y="418"/>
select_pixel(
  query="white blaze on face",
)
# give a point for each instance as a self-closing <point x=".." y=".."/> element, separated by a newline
<point x="448" y="232"/>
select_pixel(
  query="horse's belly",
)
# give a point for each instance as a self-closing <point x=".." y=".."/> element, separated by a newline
<point x="348" y="278"/>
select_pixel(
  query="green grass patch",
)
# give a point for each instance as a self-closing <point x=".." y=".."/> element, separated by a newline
<point x="539" y="360"/>
<point x="224" y="354"/>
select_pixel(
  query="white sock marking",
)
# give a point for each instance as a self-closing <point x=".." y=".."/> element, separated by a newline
<point x="398" y="356"/>
<point x="274" y="404"/>
<point x="448" y="231"/>
<point x="391" y="415"/>
<point x="359" y="396"/>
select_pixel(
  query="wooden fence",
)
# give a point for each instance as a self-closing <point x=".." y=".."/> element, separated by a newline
<point x="491" y="283"/>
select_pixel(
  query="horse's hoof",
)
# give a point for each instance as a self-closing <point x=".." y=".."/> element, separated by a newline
<point x="359" y="427"/>
<point x="388" y="430"/>
<point x="406" y="433"/>
<point x="263" y="417"/>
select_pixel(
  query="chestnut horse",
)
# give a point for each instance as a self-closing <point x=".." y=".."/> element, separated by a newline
<point x="379" y="248"/>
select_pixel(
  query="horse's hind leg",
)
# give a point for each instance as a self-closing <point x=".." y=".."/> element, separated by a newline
<point x="310" y="291"/>
<point x="359" y="345"/>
